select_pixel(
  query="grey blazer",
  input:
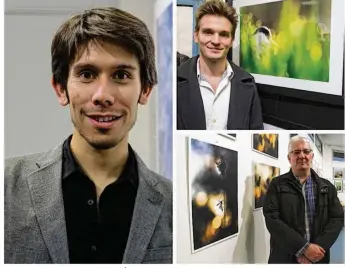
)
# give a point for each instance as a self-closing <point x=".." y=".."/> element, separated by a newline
<point x="35" y="228"/>
<point x="244" y="107"/>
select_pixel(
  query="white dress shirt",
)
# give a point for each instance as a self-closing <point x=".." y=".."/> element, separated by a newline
<point x="216" y="103"/>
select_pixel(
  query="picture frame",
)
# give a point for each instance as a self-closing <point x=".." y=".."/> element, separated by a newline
<point x="339" y="185"/>
<point x="318" y="143"/>
<point x="231" y="136"/>
<point x="267" y="144"/>
<point x="338" y="156"/>
<point x="212" y="167"/>
<point x="338" y="173"/>
<point x="332" y="26"/>
<point x="263" y="174"/>
<point x="311" y="136"/>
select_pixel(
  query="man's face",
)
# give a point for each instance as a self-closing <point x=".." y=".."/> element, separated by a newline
<point x="214" y="37"/>
<point x="104" y="90"/>
<point x="300" y="156"/>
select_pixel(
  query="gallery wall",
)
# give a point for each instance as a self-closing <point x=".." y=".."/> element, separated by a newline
<point x="251" y="244"/>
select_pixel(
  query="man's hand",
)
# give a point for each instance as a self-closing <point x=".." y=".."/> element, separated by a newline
<point x="314" y="252"/>
<point x="303" y="260"/>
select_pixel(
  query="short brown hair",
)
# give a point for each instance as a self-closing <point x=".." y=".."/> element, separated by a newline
<point x="219" y="8"/>
<point x="107" y="24"/>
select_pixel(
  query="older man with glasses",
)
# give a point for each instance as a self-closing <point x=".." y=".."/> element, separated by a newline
<point x="302" y="211"/>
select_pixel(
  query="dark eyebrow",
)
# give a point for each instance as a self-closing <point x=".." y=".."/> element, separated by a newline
<point x="207" y="29"/>
<point x="80" y="66"/>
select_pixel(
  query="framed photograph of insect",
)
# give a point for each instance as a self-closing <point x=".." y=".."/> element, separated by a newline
<point x="212" y="181"/>
<point x="295" y="43"/>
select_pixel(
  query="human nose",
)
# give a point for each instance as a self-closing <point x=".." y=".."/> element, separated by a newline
<point x="302" y="154"/>
<point x="215" y="39"/>
<point x="103" y="95"/>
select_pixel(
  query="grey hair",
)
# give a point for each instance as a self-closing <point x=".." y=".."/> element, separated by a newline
<point x="296" y="139"/>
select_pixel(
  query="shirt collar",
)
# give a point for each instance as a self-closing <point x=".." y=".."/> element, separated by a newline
<point x="307" y="179"/>
<point x="228" y="73"/>
<point x="70" y="164"/>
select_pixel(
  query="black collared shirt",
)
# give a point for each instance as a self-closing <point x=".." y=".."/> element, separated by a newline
<point x="97" y="233"/>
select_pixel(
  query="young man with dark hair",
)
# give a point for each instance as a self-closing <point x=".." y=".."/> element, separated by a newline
<point x="92" y="199"/>
<point x="213" y="93"/>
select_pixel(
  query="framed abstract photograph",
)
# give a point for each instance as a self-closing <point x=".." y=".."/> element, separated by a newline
<point x="263" y="175"/>
<point x="213" y="197"/>
<point x="267" y="144"/>
<point x="295" y="43"/>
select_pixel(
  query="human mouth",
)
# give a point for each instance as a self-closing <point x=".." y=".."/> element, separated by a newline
<point x="213" y="49"/>
<point x="104" y="121"/>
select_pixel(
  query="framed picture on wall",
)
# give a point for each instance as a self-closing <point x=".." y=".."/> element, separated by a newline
<point x="261" y="47"/>
<point x="213" y="197"/>
<point x="338" y="156"/>
<point x="263" y="175"/>
<point x="311" y="137"/>
<point x="338" y="184"/>
<point x="267" y="144"/>
<point x="338" y="173"/>
<point x="318" y="143"/>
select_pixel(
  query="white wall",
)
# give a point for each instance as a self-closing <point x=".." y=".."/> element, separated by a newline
<point x="328" y="164"/>
<point x="34" y="121"/>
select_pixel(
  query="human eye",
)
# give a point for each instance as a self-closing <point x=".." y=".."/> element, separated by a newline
<point x="121" y="75"/>
<point x="86" y="75"/>
<point x="224" y="34"/>
<point x="207" y="32"/>
<point x="296" y="152"/>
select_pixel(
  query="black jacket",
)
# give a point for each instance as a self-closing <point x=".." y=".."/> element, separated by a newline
<point x="181" y="58"/>
<point x="244" y="109"/>
<point x="285" y="217"/>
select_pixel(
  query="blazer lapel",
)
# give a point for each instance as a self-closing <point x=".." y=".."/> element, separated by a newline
<point x="240" y="102"/>
<point x="190" y="106"/>
<point x="46" y="193"/>
<point x="148" y="207"/>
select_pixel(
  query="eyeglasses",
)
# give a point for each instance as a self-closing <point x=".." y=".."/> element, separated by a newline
<point x="298" y="152"/>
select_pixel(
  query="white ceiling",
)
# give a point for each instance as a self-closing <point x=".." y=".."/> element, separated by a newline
<point x="337" y="140"/>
